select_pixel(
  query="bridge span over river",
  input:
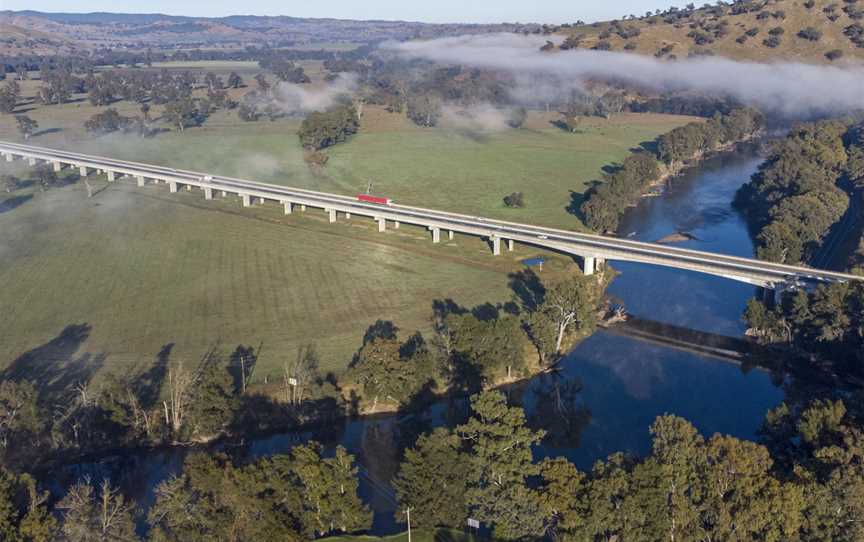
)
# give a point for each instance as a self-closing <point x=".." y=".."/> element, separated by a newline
<point x="592" y="249"/>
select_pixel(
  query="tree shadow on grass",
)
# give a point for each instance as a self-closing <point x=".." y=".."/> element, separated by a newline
<point x="528" y="288"/>
<point x="148" y="384"/>
<point x="651" y="147"/>
<point x="574" y="206"/>
<point x="53" y="366"/>
<point x="14" y="202"/>
<point x="47" y="131"/>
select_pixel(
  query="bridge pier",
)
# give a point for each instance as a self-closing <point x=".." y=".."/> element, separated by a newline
<point x="332" y="215"/>
<point x="9" y="157"/>
<point x="450" y="235"/>
<point x="436" y="235"/>
<point x="396" y="224"/>
<point x="382" y="225"/>
<point x="82" y="171"/>
<point x="110" y="176"/>
<point x="208" y="193"/>
<point x="496" y="245"/>
<point x="588" y="265"/>
<point x="57" y="166"/>
<point x="302" y="208"/>
<point x="261" y="201"/>
<point x="188" y="187"/>
<point x="31" y="161"/>
<point x="172" y="187"/>
<point x="247" y="201"/>
<point x="287" y="206"/>
<point x="510" y="245"/>
<point x="140" y="180"/>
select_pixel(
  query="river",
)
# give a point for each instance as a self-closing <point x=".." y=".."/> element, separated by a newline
<point x="612" y="386"/>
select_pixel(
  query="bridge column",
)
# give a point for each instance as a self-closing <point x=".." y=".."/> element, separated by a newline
<point x="496" y="245"/>
<point x="332" y="215"/>
<point x="31" y="161"/>
<point x="9" y="157"/>
<point x="172" y="187"/>
<point x="588" y="265"/>
<point x="510" y="245"/>
<point x="208" y="193"/>
<point x="224" y="194"/>
<point x="287" y="206"/>
<point x="347" y="216"/>
<point x="302" y="208"/>
<point x="57" y="166"/>
<point x="247" y="201"/>
<point x="382" y="225"/>
<point x="396" y="224"/>
<point x="110" y="176"/>
<point x="82" y="171"/>
<point x="188" y="187"/>
<point x="436" y="235"/>
<point x="261" y="201"/>
<point x="140" y="180"/>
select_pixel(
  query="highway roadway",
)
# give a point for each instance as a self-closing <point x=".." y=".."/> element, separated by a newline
<point x="591" y="248"/>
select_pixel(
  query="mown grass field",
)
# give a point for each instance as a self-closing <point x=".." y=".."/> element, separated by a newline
<point x="444" y="168"/>
<point x="145" y="269"/>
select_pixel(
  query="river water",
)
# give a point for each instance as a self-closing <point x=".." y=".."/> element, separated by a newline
<point x="610" y="387"/>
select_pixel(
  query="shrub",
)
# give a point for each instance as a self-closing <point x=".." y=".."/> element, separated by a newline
<point x="515" y="200"/>
<point x="834" y="55"/>
<point x="810" y="34"/>
<point x="772" y="42"/>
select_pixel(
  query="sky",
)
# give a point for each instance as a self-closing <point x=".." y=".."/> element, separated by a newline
<point x="438" y="11"/>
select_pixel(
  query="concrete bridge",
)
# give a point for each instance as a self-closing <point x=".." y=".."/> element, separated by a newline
<point x="593" y="250"/>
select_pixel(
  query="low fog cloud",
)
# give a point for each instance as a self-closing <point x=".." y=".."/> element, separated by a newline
<point x="304" y="98"/>
<point x="782" y="87"/>
<point x="482" y="118"/>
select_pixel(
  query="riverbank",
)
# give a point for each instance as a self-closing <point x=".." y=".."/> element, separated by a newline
<point x="347" y="406"/>
<point x="643" y="172"/>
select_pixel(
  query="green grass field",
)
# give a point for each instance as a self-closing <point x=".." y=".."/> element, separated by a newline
<point x="439" y="168"/>
<point x="145" y="269"/>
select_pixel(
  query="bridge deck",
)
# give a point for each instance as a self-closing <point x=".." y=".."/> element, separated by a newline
<point x="587" y="246"/>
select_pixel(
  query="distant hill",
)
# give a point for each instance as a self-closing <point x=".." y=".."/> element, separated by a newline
<point x="809" y="30"/>
<point x="120" y="30"/>
<point x="16" y="40"/>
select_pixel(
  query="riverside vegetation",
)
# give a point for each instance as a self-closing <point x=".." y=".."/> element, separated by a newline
<point x="606" y="202"/>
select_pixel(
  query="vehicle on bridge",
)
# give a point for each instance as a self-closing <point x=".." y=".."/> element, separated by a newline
<point x="374" y="199"/>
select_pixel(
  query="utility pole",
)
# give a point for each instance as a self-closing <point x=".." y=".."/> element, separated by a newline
<point x="408" y="513"/>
